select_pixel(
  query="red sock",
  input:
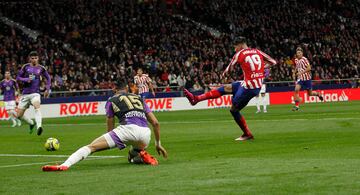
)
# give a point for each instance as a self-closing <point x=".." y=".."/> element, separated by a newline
<point x="209" y="95"/>
<point x="297" y="103"/>
<point x="244" y="127"/>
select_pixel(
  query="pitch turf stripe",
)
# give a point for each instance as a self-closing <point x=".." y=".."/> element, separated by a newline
<point x="53" y="156"/>
<point x="208" y="121"/>
<point x="52" y="162"/>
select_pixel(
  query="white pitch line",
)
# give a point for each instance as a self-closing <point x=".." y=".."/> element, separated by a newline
<point x="52" y="156"/>
<point x="209" y="121"/>
<point x="43" y="163"/>
<point x="28" y="164"/>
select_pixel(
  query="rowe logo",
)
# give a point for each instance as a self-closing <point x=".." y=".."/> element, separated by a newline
<point x="328" y="97"/>
<point x="79" y="108"/>
<point x="221" y="101"/>
<point x="160" y="104"/>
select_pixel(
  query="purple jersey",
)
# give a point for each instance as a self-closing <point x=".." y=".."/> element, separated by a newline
<point x="30" y="77"/>
<point x="8" y="88"/>
<point x="129" y="108"/>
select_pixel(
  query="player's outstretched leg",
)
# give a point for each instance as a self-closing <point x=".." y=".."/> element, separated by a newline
<point x="296" y="106"/>
<point x="97" y="145"/>
<point x="257" y="99"/>
<point x="240" y="120"/>
<point x="38" y="116"/>
<point x="12" y="117"/>
<point x="264" y="103"/>
<point x="314" y="93"/>
<point x="213" y="94"/>
<point x="297" y="98"/>
<point x="20" y="115"/>
<point x="140" y="156"/>
<point x="38" y="119"/>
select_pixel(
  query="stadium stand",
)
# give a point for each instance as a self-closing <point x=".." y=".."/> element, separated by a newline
<point x="90" y="45"/>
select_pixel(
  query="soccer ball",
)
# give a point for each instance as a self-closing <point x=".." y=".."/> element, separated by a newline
<point x="52" y="144"/>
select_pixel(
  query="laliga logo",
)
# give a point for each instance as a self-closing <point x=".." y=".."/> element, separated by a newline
<point x="328" y="97"/>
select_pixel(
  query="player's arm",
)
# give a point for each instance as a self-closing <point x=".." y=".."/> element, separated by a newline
<point x="232" y="64"/>
<point x="149" y="82"/>
<point x="110" y="122"/>
<point x="17" y="89"/>
<point x="156" y="128"/>
<point x="21" y="76"/>
<point x="269" y="61"/>
<point x="136" y="83"/>
<point x="48" y="82"/>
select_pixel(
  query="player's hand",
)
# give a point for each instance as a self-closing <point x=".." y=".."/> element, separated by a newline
<point x="153" y="93"/>
<point x="161" y="151"/>
<point x="46" y="94"/>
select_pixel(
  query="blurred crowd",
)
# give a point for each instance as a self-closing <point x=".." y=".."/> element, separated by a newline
<point x="89" y="44"/>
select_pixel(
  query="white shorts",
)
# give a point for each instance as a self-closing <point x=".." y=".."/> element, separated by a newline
<point x="10" y="105"/>
<point x="125" y="135"/>
<point x="28" y="99"/>
<point x="263" y="89"/>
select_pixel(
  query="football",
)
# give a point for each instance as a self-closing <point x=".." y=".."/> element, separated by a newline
<point x="52" y="144"/>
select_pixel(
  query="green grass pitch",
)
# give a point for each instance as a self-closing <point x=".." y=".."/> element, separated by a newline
<point x="313" y="151"/>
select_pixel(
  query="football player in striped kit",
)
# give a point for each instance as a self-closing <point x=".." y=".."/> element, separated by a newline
<point x="302" y="74"/>
<point x="252" y="62"/>
<point x="143" y="83"/>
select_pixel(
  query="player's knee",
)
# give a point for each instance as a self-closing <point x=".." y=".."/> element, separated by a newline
<point x="92" y="148"/>
<point x="20" y="113"/>
<point x="36" y="105"/>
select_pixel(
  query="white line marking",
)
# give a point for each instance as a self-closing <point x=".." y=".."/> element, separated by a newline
<point x="28" y="164"/>
<point x="52" y="156"/>
<point x="51" y="162"/>
<point x="209" y="121"/>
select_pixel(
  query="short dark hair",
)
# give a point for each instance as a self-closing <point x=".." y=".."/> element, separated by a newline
<point x="239" y="40"/>
<point x="299" y="49"/>
<point x="121" y="84"/>
<point x="33" y="53"/>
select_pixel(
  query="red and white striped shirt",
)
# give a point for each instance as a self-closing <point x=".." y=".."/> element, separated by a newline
<point x="301" y="65"/>
<point x="252" y="62"/>
<point x="142" y="82"/>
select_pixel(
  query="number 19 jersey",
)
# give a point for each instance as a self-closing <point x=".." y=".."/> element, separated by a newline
<point x="252" y="62"/>
<point x="128" y="108"/>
